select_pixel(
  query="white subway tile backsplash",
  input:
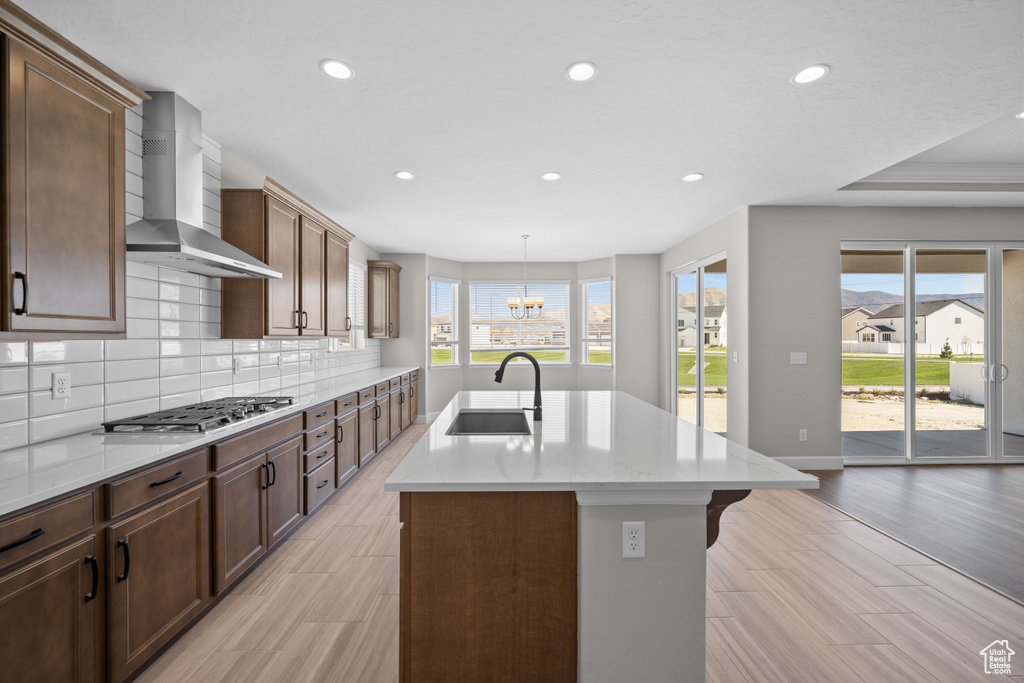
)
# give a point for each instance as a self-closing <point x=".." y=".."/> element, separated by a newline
<point x="82" y="374"/>
<point x="13" y="379"/>
<point x="120" y="392"/>
<point x="173" y="354"/>
<point x="126" y="370"/>
<point x="81" y="397"/>
<point x="64" y="424"/>
<point x="66" y="351"/>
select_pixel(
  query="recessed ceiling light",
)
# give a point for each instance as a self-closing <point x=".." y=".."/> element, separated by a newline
<point x="336" y="69"/>
<point x="550" y="176"/>
<point x="811" y="74"/>
<point x="404" y="175"/>
<point x="581" y="71"/>
<point x="692" y="177"/>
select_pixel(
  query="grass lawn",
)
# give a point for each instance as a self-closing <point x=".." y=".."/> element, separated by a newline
<point x="861" y="371"/>
<point x="714" y="375"/>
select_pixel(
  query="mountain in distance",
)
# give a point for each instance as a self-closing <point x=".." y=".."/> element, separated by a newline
<point x="875" y="300"/>
<point x="712" y="297"/>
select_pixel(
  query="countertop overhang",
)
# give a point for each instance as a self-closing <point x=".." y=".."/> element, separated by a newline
<point x="605" y="445"/>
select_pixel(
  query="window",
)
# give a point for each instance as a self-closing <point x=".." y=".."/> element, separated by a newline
<point x="869" y="337"/>
<point x="494" y="333"/>
<point x="886" y="336"/>
<point x="957" y="321"/>
<point x="444" y="321"/>
<point x="597" y="321"/>
<point x="356" y="303"/>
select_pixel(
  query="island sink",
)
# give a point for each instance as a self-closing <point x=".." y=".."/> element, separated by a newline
<point x="482" y="421"/>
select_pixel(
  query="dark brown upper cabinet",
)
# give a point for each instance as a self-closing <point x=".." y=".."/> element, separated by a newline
<point x="383" y="299"/>
<point x="62" y="244"/>
<point x="310" y="250"/>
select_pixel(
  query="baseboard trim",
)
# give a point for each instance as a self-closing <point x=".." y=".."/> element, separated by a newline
<point x="433" y="416"/>
<point x="815" y="463"/>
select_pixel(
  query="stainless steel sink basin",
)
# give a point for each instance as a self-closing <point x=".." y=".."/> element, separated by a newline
<point x="478" y="421"/>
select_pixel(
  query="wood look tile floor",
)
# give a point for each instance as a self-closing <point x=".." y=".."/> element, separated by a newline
<point x="797" y="591"/>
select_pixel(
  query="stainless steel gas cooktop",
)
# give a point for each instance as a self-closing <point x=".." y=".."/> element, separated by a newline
<point x="201" y="417"/>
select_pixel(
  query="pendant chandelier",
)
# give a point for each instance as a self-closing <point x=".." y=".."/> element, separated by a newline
<point x="526" y="308"/>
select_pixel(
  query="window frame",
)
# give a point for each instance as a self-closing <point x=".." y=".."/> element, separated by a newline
<point x="585" y="339"/>
<point x="356" y="336"/>
<point x="567" y="347"/>
<point x="454" y="343"/>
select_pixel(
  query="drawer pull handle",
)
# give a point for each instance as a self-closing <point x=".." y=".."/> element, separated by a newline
<point x="31" y="537"/>
<point x="166" y="481"/>
<point x="401" y="397"/>
<point x="322" y="434"/>
<point x="323" y="413"/>
<point x="127" y="560"/>
<point x="322" y="455"/>
<point x="24" y="294"/>
<point x="273" y="469"/>
<point x="305" y="320"/>
<point x="267" y="468"/>
<point x="297" y="316"/>
<point x="320" y="486"/>
<point x="91" y="595"/>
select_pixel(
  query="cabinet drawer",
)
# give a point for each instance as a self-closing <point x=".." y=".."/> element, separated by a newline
<point x="314" y="416"/>
<point x="383" y="388"/>
<point x="367" y="394"/>
<point x="131" y="492"/>
<point x="406" y="378"/>
<point x="319" y="455"/>
<point x="319" y="435"/>
<point x="346" y="403"/>
<point x="395" y="383"/>
<point x="414" y="375"/>
<point x="320" y="483"/>
<point x="34" y="531"/>
<point x="241" y="447"/>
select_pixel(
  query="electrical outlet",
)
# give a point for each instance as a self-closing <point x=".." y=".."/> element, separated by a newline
<point x="60" y="385"/>
<point x="633" y="544"/>
<point x="803" y="435"/>
<point x="236" y="366"/>
<point x="735" y="356"/>
<point x="798" y="358"/>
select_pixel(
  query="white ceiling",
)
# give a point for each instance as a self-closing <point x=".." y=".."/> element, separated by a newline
<point x="471" y="97"/>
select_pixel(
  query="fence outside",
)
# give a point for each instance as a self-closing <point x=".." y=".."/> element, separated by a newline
<point x="896" y="348"/>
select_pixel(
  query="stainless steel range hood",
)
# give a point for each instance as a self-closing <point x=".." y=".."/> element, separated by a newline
<point x="172" y="189"/>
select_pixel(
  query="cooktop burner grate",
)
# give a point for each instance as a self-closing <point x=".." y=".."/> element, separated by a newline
<point x="201" y="417"/>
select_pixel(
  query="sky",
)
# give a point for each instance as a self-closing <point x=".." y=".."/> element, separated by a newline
<point x="939" y="283"/>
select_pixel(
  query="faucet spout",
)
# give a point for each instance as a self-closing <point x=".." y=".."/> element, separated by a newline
<point x="500" y="373"/>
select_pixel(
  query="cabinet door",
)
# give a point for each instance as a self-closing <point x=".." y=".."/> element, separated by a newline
<point x="240" y="520"/>
<point x="47" y="618"/>
<point x="406" y="406"/>
<point x="64" y="201"/>
<point x="337" y="286"/>
<point x="395" y="408"/>
<point x="158" y="576"/>
<point x="367" y="432"/>
<point x="383" y="425"/>
<point x="284" y="495"/>
<point x="348" y="446"/>
<point x="282" y="223"/>
<point x="392" y="304"/>
<point x="414" y="400"/>
<point x="312" y="273"/>
<point x="378" y="304"/>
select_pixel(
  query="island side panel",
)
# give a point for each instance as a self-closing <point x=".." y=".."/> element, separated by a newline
<point x="488" y="586"/>
<point x="642" y="619"/>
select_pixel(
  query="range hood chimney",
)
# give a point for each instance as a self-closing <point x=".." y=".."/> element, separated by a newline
<point x="170" y="234"/>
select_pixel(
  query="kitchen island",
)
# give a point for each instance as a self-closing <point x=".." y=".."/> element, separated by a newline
<point x="512" y="546"/>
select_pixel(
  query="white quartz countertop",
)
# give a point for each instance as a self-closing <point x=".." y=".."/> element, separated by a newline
<point x="39" y="472"/>
<point x="599" y="441"/>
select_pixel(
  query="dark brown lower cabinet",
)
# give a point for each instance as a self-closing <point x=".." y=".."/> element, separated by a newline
<point x="383" y="422"/>
<point x="255" y="503"/>
<point x="158" y="577"/>
<point x="406" y="401"/>
<point x="48" y="617"/>
<point x="367" y="432"/>
<point x="414" y="398"/>
<point x="395" y="399"/>
<point x="348" y="446"/>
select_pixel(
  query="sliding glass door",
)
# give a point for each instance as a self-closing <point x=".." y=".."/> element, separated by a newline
<point x="949" y="338"/>
<point x="701" y="343"/>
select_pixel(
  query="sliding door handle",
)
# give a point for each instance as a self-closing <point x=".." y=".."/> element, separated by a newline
<point x="1004" y="373"/>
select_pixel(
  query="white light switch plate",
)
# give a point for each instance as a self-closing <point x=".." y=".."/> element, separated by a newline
<point x="798" y="358"/>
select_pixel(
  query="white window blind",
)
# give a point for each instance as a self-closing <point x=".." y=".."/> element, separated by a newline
<point x="444" y="321"/>
<point x="494" y="333"/>
<point x="596" y="296"/>
<point x="357" y="294"/>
